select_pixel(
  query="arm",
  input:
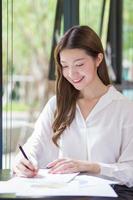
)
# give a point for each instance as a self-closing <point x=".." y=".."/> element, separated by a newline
<point x="122" y="170"/>
<point x="39" y="147"/>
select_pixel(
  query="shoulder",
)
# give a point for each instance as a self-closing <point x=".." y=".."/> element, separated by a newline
<point x="122" y="105"/>
<point x="48" y="110"/>
<point x="52" y="103"/>
<point x="121" y="99"/>
<point x="50" y="106"/>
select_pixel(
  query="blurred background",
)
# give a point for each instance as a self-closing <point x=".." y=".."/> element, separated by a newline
<point x="30" y="30"/>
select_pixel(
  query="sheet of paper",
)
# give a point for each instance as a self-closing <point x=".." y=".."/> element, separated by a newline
<point x="93" y="180"/>
<point x="74" y="188"/>
<point x="45" y="184"/>
<point x="5" y="187"/>
<point x="44" y="177"/>
<point x="57" y="178"/>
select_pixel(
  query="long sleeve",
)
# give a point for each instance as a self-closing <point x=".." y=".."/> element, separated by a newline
<point x="105" y="137"/>
<point x="123" y="169"/>
<point x="39" y="146"/>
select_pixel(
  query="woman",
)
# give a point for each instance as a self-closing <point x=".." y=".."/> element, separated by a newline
<point x="88" y="126"/>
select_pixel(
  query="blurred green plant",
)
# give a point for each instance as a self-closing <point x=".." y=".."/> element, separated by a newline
<point x="16" y="107"/>
<point x="33" y="22"/>
<point x="32" y="26"/>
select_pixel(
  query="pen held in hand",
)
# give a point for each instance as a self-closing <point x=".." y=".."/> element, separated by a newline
<point x="22" y="151"/>
<point x="31" y="167"/>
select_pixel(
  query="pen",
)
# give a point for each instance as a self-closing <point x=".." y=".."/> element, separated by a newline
<point x="22" y="151"/>
<point x="24" y="154"/>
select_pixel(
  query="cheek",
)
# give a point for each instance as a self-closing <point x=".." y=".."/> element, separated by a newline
<point x="89" y="70"/>
<point x="64" y="72"/>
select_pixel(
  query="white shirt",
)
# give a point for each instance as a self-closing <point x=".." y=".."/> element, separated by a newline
<point x="105" y="137"/>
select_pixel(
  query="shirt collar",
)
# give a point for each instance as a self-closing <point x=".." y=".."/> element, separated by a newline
<point x="111" y="95"/>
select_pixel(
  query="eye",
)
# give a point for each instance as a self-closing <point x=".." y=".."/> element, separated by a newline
<point x="65" y="66"/>
<point x="79" y="65"/>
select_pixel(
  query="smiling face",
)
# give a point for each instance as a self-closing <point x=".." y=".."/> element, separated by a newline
<point x="79" y="68"/>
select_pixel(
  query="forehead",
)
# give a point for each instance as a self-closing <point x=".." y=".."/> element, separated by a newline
<point x="72" y="54"/>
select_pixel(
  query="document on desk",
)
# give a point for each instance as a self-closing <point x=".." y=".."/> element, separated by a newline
<point x="16" y="184"/>
<point x="45" y="184"/>
<point x="6" y="188"/>
<point x="44" y="177"/>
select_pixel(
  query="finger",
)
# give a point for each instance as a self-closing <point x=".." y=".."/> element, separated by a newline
<point x="62" y="166"/>
<point x="53" y="163"/>
<point x="68" y="171"/>
<point x="64" y="170"/>
<point x="28" y="164"/>
<point x="22" y="170"/>
<point x="62" y="163"/>
<point x="16" y="171"/>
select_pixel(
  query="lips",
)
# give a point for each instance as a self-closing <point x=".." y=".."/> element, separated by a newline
<point x="78" y="80"/>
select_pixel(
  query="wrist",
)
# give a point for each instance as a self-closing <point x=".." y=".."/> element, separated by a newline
<point x="90" y="167"/>
<point x="94" y="168"/>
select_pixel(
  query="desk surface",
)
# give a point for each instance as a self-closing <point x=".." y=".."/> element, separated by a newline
<point x="124" y="193"/>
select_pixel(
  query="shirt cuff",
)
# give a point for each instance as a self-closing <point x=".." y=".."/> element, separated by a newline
<point x="107" y="169"/>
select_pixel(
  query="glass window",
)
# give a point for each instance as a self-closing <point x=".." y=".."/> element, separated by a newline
<point x="27" y="32"/>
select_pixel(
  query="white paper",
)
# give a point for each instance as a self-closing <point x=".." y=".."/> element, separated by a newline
<point x="44" y="177"/>
<point x="93" y="180"/>
<point x="45" y="184"/>
<point x="74" y="188"/>
<point x="6" y="187"/>
<point x="55" y="178"/>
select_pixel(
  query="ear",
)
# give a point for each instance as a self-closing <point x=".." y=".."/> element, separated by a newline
<point x="99" y="59"/>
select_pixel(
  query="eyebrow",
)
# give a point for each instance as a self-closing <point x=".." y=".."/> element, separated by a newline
<point x="79" y="59"/>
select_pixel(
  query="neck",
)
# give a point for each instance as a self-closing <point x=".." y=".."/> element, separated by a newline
<point x="94" y="90"/>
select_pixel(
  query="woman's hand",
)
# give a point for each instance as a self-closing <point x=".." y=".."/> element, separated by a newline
<point x="64" y="166"/>
<point x="25" y="168"/>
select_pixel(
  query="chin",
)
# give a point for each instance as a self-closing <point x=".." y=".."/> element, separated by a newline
<point x="78" y="87"/>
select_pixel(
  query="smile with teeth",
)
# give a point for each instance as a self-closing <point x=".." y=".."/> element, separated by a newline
<point x="78" y="80"/>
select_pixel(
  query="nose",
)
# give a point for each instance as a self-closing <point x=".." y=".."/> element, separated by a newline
<point x="72" y="72"/>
